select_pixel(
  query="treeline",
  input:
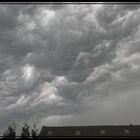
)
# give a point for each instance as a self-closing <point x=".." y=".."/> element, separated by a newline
<point x="26" y="131"/>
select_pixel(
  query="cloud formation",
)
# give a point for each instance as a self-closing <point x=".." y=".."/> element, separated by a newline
<point x="69" y="64"/>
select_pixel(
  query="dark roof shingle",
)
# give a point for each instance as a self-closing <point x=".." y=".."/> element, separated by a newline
<point x="120" y="130"/>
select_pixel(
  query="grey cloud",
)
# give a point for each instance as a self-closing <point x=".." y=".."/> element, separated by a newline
<point x="67" y="62"/>
<point x="131" y="6"/>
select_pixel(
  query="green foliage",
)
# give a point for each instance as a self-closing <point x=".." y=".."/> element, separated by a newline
<point x="10" y="131"/>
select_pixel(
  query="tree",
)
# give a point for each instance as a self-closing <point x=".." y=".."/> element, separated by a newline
<point x="34" y="131"/>
<point x="10" y="131"/>
<point x="25" y="131"/>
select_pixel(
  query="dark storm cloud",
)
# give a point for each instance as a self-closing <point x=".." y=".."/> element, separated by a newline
<point x="68" y="64"/>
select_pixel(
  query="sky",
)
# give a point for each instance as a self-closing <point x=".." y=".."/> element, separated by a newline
<point x="69" y="64"/>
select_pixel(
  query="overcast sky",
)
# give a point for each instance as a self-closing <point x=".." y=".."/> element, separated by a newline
<point x="69" y="64"/>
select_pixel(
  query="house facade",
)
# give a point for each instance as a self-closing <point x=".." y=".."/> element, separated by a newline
<point x="93" y="131"/>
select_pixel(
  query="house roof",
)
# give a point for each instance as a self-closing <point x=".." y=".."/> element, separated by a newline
<point x="108" y="130"/>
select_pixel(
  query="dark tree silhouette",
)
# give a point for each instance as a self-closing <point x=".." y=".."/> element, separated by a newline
<point x="34" y="132"/>
<point x="25" y="131"/>
<point x="10" y="131"/>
